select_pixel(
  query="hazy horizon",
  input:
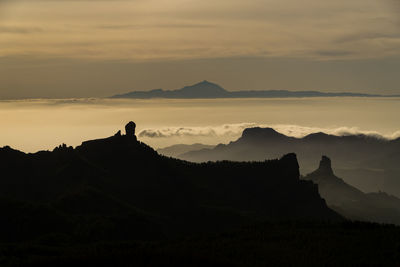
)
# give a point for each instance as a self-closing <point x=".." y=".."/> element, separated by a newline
<point x="32" y="125"/>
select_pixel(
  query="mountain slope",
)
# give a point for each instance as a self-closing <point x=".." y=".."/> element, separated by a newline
<point x="101" y="187"/>
<point x="369" y="163"/>
<point x="203" y="89"/>
<point x="351" y="202"/>
<point x="179" y="149"/>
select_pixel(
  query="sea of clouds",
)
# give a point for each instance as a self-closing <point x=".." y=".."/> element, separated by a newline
<point x="235" y="130"/>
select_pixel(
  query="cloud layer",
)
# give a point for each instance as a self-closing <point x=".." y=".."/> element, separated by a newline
<point x="208" y="131"/>
<point x="157" y="29"/>
<point x="235" y="130"/>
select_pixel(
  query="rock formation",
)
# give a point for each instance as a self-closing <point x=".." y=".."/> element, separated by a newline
<point x="118" y="134"/>
<point x="130" y="129"/>
<point x="325" y="166"/>
<point x="352" y="202"/>
<point x="290" y="166"/>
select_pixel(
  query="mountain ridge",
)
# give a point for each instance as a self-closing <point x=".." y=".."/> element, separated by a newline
<point x="96" y="190"/>
<point x="367" y="162"/>
<point x="206" y="89"/>
<point x="116" y="202"/>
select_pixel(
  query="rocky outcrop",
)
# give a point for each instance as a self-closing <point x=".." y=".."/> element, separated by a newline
<point x="351" y="202"/>
<point x="325" y="166"/>
<point x="290" y="166"/>
<point x="117" y="139"/>
<point x="130" y="129"/>
<point x="118" y="134"/>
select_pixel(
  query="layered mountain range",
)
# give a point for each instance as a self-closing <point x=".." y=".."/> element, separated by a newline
<point x="120" y="188"/>
<point x="366" y="162"/>
<point x="352" y="202"/>
<point x="117" y="202"/>
<point x="176" y="150"/>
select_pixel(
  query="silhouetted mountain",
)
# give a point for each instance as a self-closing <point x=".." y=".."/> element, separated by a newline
<point x="203" y="89"/>
<point x="118" y="187"/>
<point x="367" y="162"/>
<point x="206" y="89"/>
<point x="351" y="202"/>
<point x="258" y="134"/>
<point x="116" y="202"/>
<point x="176" y="150"/>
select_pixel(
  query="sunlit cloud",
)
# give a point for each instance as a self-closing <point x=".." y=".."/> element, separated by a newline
<point x="208" y="131"/>
<point x="235" y="131"/>
<point x="301" y="131"/>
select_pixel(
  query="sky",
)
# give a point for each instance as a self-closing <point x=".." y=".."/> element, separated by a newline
<point x="98" y="48"/>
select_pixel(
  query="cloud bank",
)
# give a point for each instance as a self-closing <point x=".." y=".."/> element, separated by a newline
<point x="235" y="130"/>
<point x="207" y="131"/>
<point x="161" y="30"/>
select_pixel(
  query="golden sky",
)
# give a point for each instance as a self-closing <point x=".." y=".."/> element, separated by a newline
<point x="52" y="39"/>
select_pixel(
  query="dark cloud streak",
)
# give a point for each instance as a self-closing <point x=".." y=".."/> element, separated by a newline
<point x="334" y="53"/>
<point x="366" y="36"/>
<point x="139" y="26"/>
<point x="19" y="30"/>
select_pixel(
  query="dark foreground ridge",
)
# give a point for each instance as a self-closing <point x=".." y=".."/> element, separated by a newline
<point x="115" y="201"/>
<point x="125" y="184"/>
<point x="207" y="89"/>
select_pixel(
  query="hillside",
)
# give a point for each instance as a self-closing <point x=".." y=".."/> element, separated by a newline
<point x="118" y="187"/>
<point x="179" y="149"/>
<point x="366" y="162"/>
<point x="117" y="202"/>
<point x="351" y="202"/>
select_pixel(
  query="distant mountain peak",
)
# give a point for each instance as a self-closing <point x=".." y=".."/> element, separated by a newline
<point x="319" y="136"/>
<point x="325" y="166"/>
<point x="205" y="82"/>
<point x="205" y="86"/>
<point x="208" y="83"/>
<point x="258" y="133"/>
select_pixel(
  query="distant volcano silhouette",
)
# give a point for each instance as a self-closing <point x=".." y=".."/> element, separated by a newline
<point x="207" y="89"/>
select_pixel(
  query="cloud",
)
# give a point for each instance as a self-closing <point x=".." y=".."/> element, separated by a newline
<point x="366" y="36"/>
<point x="207" y="131"/>
<point x="155" y="29"/>
<point x="334" y="53"/>
<point x="143" y="26"/>
<point x="301" y="131"/>
<point x="19" y="30"/>
<point x="235" y="130"/>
